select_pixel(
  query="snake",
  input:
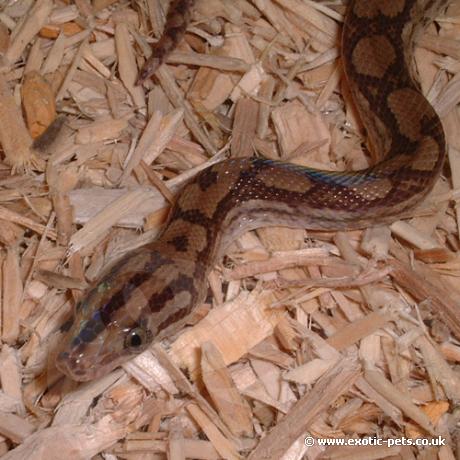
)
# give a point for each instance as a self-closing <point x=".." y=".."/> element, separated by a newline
<point x="151" y="289"/>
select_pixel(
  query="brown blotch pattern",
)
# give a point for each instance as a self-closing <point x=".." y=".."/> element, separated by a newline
<point x="409" y="107"/>
<point x="188" y="248"/>
<point x="374" y="190"/>
<point x="187" y="201"/>
<point x="180" y="301"/>
<point x="373" y="55"/>
<point x="180" y="243"/>
<point x="372" y="8"/>
<point x="391" y="165"/>
<point x="284" y="180"/>
<point x="427" y="155"/>
<point x="379" y="134"/>
<point x="209" y="188"/>
<point x="195" y="235"/>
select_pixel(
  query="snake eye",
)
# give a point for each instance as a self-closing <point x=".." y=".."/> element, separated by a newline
<point x="136" y="339"/>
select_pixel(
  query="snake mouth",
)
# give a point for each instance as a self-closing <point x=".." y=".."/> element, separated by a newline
<point x="75" y="367"/>
<point x="83" y="367"/>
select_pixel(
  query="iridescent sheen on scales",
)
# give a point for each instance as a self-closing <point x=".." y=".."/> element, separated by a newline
<point x="155" y="287"/>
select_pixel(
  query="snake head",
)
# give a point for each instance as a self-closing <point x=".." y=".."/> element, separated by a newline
<point x="122" y="313"/>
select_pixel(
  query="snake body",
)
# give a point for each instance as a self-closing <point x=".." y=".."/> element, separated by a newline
<point x="158" y="285"/>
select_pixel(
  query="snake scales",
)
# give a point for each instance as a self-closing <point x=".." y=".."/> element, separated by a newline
<point x="159" y="284"/>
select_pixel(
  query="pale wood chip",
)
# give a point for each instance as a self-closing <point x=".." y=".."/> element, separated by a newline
<point x="15" y="428"/>
<point x="223" y="445"/>
<point x="127" y="65"/>
<point x="332" y="384"/>
<point x="12" y="296"/>
<point x="96" y="228"/>
<point x="233" y="409"/>
<point x="385" y="388"/>
<point x="14" y="137"/>
<point x="353" y="332"/>
<point x="35" y="19"/>
<point x="234" y="328"/>
<point x="244" y="127"/>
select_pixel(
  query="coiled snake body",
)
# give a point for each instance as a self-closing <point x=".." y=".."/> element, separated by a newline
<point x="158" y="285"/>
